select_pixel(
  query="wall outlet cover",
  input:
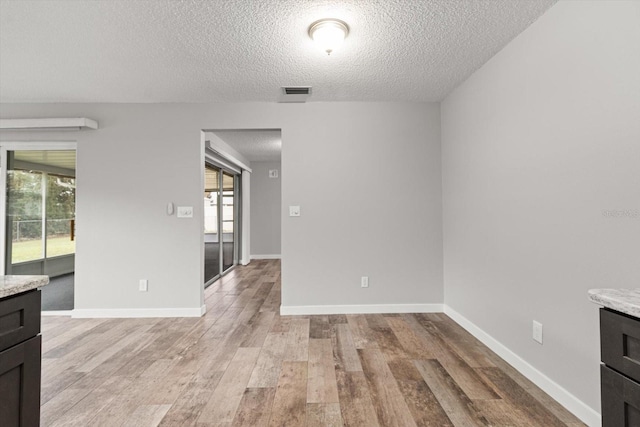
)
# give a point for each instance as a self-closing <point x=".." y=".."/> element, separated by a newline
<point x="185" y="211"/>
<point x="537" y="332"/>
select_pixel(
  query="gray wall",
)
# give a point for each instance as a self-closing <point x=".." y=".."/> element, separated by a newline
<point x="369" y="186"/>
<point x="266" y="210"/>
<point x="343" y="163"/>
<point x="367" y="178"/>
<point x="537" y="144"/>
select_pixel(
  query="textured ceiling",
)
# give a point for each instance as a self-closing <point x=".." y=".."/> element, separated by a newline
<point x="245" y="50"/>
<point x="255" y="145"/>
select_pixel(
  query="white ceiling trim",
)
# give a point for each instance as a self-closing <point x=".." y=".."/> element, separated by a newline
<point x="77" y="123"/>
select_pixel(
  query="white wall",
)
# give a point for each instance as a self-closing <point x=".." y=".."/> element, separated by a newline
<point x="266" y="210"/>
<point x="344" y="163"/>
<point x="367" y="178"/>
<point x="536" y="145"/>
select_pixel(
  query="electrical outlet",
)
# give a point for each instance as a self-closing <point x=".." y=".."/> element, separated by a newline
<point x="144" y="285"/>
<point x="537" y="332"/>
<point x="364" y="282"/>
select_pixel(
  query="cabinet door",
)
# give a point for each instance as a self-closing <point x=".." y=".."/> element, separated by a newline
<point x="620" y="342"/>
<point x="19" y="318"/>
<point x="620" y="399"/>
<point x="20" y="384"/>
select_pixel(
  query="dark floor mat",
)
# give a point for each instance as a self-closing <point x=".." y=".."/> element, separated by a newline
<point x="58" y="294"/>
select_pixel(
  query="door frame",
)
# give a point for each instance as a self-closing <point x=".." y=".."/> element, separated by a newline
<point x="236" y="228"/>
<point x="22" y="146"/>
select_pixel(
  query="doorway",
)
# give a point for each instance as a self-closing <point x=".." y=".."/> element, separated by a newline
<point x="220" y="221"/>
<point x="38" y="204"/>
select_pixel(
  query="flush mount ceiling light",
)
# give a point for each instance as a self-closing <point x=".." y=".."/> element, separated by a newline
<point x="328" y="33"/>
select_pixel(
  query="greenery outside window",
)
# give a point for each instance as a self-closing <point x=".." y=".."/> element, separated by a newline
<point x="41" y="214"/>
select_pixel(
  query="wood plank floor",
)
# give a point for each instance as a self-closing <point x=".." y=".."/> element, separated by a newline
<point x="243" y="364"/>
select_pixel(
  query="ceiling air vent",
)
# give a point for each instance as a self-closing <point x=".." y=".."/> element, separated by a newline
<point x="295" y="93"/>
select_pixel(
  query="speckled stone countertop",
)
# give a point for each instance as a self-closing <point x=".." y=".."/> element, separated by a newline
<point x="12" y="285"/>
<point x="623" y="300"/>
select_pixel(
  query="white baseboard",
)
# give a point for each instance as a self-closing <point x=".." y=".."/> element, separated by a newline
<point x="137" y="312"/>
<point x="57" y="313"/>
<point x="573" y="404"/>
<point x="293" y="310"/>
<point x="268" y="256"/>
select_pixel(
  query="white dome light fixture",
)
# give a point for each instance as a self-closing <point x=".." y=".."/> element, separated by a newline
<point x="328" y="33"/>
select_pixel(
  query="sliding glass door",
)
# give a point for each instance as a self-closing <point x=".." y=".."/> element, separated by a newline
<point x="40" y="212"/>
<point x="220" y="231"/>
<point x="211" y="222"/>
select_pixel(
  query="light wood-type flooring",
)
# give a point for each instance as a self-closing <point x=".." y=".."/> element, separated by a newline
<point x="242" y="364"/>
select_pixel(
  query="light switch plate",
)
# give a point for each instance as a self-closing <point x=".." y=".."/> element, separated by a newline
<point x="273" y="173"/>
<point x="294" y="210"/>
<point x="185" y="211"/>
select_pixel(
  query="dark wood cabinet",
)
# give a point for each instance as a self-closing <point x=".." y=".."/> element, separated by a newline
<point x="20" y="384"/>
<point x="620" y="372"/>
<point x="20" y="356"/>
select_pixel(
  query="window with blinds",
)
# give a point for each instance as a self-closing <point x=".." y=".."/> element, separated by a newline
<point x="211" y="179"/>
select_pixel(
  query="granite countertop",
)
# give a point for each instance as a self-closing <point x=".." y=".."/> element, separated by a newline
<point x="623" y="300"/>
<point x="12" y="285"/>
